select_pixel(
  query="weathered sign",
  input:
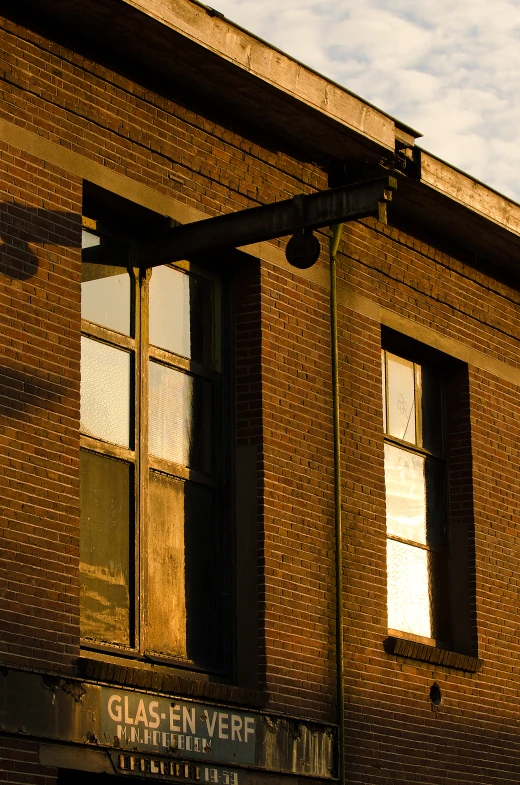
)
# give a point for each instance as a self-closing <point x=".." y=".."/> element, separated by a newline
<point x="142" y="729"/>
<point x="153" y="723"/>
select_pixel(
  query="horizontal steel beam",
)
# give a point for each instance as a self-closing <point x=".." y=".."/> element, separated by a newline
<point x="303" y="212"/>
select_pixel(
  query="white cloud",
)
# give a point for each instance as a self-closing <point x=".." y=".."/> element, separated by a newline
<point x="449" y="68"/>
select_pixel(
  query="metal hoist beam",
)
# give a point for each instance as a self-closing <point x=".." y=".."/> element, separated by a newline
<point x="298" y="217"/>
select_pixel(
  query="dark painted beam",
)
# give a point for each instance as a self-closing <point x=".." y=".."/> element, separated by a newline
<point x="292" y="216"/>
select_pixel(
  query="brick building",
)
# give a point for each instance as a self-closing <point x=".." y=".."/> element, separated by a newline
<point x="175" y="539"/>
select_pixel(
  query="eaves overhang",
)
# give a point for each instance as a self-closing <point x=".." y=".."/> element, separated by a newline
<point x="273" y="68"/>
<point x="459" y="207"/>
<point x="189" y="43"/>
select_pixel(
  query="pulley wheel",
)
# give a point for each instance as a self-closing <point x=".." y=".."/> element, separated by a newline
<point x="303" y="250"/>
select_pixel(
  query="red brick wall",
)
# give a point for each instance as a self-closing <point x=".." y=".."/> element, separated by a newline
<point x="283" y="407"/>
<point x="298" y="496"/>
<point x="39" y="399"/>
<point x="393" y="735"/>
<point x="19" y="763"/>
<point x="437" y="290"/>
<point x="113" y="120"/>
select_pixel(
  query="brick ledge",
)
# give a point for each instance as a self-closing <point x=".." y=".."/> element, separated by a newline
<point x="432" y="654"/>
<point x="183" y="686"/>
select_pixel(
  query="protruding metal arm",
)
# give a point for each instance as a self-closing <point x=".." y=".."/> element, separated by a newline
<point x="304" y="212"/>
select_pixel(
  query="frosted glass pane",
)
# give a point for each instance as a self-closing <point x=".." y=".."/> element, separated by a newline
<point x="105" y="296"/>
<point x="181" y="543"/>
<point x="181" y="314"/>
<point x="401" y="398"/>
<point x="179" y="420"/>
<point x="405" y="494"/>
<point x="105" y="287"/>
<point x="105" y="392"/>
<point x="408" y="590"/>
<point x="106" y="502"/>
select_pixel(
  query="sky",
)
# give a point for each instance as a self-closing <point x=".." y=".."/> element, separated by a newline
<point x="448" y="68"/>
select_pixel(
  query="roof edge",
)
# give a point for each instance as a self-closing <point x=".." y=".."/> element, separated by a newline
<point x="466" y="190"/>
<point x="404" y="127"/>
<point x="211" y="30"/>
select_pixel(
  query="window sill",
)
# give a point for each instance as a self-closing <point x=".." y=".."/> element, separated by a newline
<point x="158" y="680"/>
<point x="402" y="647"/>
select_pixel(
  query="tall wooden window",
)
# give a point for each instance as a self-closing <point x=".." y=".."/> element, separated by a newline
<point x="152" y="539"/>
<point x="416" y="499"/>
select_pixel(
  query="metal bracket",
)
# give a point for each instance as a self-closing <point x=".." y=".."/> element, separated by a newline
<point x="303" y="249"/>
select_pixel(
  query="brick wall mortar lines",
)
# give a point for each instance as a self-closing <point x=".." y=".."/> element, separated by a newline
<point x="283" y="408"/>
<point x="19" y="763"/>
<point x="39" y="417"/>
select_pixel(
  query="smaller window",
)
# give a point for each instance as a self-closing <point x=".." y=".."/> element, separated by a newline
<point x="416" y="499"/>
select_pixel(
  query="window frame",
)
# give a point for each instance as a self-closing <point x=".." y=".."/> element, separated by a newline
<point x="137" y="454"/>
<point x="441" y="459"/>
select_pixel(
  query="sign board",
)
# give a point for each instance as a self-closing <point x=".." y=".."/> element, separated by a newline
<point x="153" y="723"/>
<point x="206" y="743"/>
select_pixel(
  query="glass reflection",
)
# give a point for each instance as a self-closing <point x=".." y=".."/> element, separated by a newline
<point x="405" y="494"/>
<point x="105" y="287"/>
<point x="105" y="392"/>
<point x="181" y="314"/>
<point x="179" y="417"/>
<point x="401" y="398"/>
<point x="165" y="547"/>
<point x="106" y="512"/>
<point x="408" y="589"/>
<point x="182" y="621"/>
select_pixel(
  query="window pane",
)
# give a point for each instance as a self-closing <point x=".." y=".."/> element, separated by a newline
<point x="436" y="500"/>
<point x="105" y="288"/>
<point x="439" y="595"/>
<point x="105" y="392"/>
<point x="383" y="373"/>
<point x="415" y="497"/>
<point x="401" y="398"/>
<point x="105" y="296"/>
<point x="180" y="427"/>
<point x="431" y="411"/>
<point x="405" y="494"/>
<point x="408" y="589"/>
<point x="105" y="525"/>
<point x="89" y="240"/>
<point x="181" y="314"/>
<point x="181" y="578"/>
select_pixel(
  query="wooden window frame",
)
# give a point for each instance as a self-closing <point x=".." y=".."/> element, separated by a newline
<point x="440" y="458"/>
<point x="137" y="454"/>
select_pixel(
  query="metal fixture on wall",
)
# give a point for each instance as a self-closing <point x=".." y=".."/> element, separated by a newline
<point x="298" y="216"/>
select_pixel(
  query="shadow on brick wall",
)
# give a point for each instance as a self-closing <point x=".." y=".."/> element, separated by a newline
<point x="24" y="392"/>
<point x="24" y="230"/>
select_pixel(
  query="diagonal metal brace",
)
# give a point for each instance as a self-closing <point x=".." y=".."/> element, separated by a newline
<point x="303" y="212"/>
